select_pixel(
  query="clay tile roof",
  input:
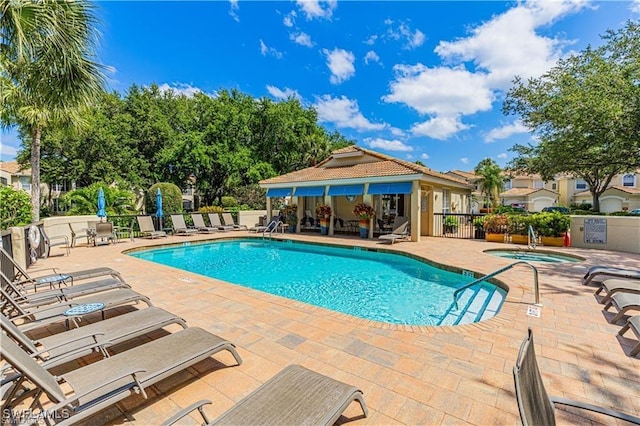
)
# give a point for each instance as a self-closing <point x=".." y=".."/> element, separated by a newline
<point x="627" y="189"/>
<point x="523" y="191"/>
<point x="14" y="168"/>
<point x="387" y="166"/>
<point x="464" y="174"/>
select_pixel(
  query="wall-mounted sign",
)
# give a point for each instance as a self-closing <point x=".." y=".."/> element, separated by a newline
<point x="595" y="231"/>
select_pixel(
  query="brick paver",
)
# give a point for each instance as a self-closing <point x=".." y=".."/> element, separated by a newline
<point x="409" y="374"/>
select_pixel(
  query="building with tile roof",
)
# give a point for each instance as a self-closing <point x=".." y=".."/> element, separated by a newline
<point x="393" y="187"/>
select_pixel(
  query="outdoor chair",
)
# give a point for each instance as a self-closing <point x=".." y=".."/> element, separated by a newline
<point x="88" y="233"/>
<point x="294" y="396"/>
<point x="613" y="286"/>
<point x="623" y="302"/>
<point x="228" y="221"/>
<point x="400" y="233"/>
<point x="214" y="218"/>
<point x="53" y="241"/>
<point x="22" y="278"/>
<point x="147" y="229"/>
<point x="633" y="323"/>
<point x="179" y="227"/>
<point x="63" y="347"/>
<point x="198" y="222"/>
<point x="101" y="384"/>
<point x="535" y="405"/>
<point x="614" y="272"/>
<point x="105" y="231"/>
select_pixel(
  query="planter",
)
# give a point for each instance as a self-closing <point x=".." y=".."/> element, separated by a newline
<point x="291" y="229"/>
<point x="479" y="234"/>
<point x="450" y="229"/>
<point x="494" y="238"/>
<point x="519" y="239"/>
<point x="364" y="228"/>
<point x="324" y="227"/>
<point x="364" y="232"/>
<point x="553" y="241"/>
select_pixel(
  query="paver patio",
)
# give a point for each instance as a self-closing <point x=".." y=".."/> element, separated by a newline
<point x="409" y="375"/>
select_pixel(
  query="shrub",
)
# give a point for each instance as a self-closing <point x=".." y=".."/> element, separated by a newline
<point x="450" y="221"/>
<point x="291" y="214"/>
<point x="363" y="211"/>
<point x="211" y="209"/>
<point x="228" y="201"/>
<point x="171" y="198"/>
<point x="519" y="224"/>
<point x="85" y="200"/>
<point x="551" y="224"/>
<point x="15" y="207"/>
<point x="495" y="223"/>
<point x="478" y="223"/>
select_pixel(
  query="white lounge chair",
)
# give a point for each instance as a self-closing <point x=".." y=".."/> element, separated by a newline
<point x="399" y="234"/>
<point x="198" y="222"/>
<point x="228" y="221"/>
<point x="179" y="227"/>
<point x="214" y="218"/>
<point x="610" y="271"/>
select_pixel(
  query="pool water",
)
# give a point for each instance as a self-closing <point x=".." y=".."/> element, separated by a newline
<point x="378" y="286"/>
<point x="534" y="256"/>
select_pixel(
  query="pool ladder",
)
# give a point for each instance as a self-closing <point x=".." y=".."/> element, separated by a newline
<point x="531" y="237"/>
<point x="499" y="271"/>
<point x="271" y="227"/>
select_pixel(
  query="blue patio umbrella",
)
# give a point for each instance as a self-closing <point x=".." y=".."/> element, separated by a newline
<point x="159" y="212"/>
<point x="102" y="204"/>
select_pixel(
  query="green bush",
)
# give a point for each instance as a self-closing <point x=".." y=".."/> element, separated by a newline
<point x="228" y="201"/>
<point x="495" y="223"/>
<point x="450" y="221"/>
<point x="15" y="207"/>
<point x="171" y="198"/>
<point x="551" y="224"/>
<point x="85" y="200"/>
<point x="478" y="223"/>
<point x="210" y="209"/>
<point x="519" y="223"/>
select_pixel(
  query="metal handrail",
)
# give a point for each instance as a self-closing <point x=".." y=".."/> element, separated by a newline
<point x="531" y="236"/>
<point x="271" y="227"/>
<point x="499" y="271"/>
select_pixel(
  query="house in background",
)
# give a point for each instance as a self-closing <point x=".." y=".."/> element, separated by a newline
<point x="529" y="192"/>
<point x="622" y="194"/>
<point x="393" y="187"/>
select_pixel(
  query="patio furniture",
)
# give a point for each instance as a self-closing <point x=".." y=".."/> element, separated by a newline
<point x="123" y="231"/>
<point x="63" y="347"/>
<point x="535" y="405"/>
<point x="179" y="227"/>
<point x="623" y="302"/>
<point x="198" y="222"/>
<point x="400" y="233"/>
<point x="611" y="271"/>
<point x="228" y="221"/>
<point x="105" y="231"/>
<point x="53" y="241"/>
<point x="147" y="229"/>
<point x="214" y="218"/>
<point x="294" y="396"/>
<point x="97" y="386"/>
<point x="613" y="286"/>
<point x="633" y="323"/>
<point x="88" y="233"/>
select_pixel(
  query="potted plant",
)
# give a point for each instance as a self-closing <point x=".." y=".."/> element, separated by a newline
<point x="291" y="216"/>
<point x="518" y="227"/>
<point x="450" y="225"/>
<point x="495" y="226"/>
<point x="324" y="213"/>
<point x="364" y="213"/>
<point x="552" y="226"/>
<point x="478" y="224"/>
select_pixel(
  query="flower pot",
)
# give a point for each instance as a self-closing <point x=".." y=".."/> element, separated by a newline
<point x="494" y="238"/>
<point x="364" y="232"/>
<point x="324" y="227"/>
<point x="553" y="241"/>
<point x="519" y="239"/>
<point x="292" y="229"/>
<point x="450" y="229"/>
<point x="479" y="234"/>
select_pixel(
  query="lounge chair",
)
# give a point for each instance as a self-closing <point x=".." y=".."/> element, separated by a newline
<point x="614" y="272"/>
<point x="145" y="223"/>
<point x="214" y="218"/>
<point x="63" y="347"/>
<point x="535" y="405"/>
<point x="623" y="302"/>
<point x="613" y="286"/>
<point x="87" y="233"/>
<point x="179" y="227"/>
<point x="633" y="323"/>
<point x="228" y="221"/>
<point x="21" y="277"/>
<point x="400" y="233"/>
<point x="294" y="396"/>
<point x="198" y="222"/>
<point x="53" y="241"/>
<point x="99" y="385"/>
<point x="33" y="318"/>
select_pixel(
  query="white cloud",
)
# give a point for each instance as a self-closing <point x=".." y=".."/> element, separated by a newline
<point x="9" y="144"/>
<point x="317" y="8"/>
<point x="289" y="19"/>
<point x="412" y="39"/>
<point x="283" y="94"/>
<point x="635" y="6"/>
<point x="505" y="131"/>
<point x="396" y="132"/>
<point x="343" y="113"/>
<point x="502" y="155"/>
<point x="373" y="57"/>
<point x="179" y="89"/>
<point x="340" y="62"/>
<point x="425" y="156"/>
<point x="508" y="44"/>
<point x="301" y="38"/>
<point x="372" y="40"/>
<point x="233" y="11"/>
<point x="439" y="127"/>
<point x="464" y="160"/>
<point x="440" y="90"/>
<point x="266" y="50"/>
<point x="387" y="145"/>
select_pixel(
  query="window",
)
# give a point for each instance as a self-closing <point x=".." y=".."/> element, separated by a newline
<point x="445" y="201"/>
<point x="629" y="181"/>
<point x="538" y="184"/>
<point x="581" y="185"/>
<point x="554" y="186"/>
<point x="507" y="185"/>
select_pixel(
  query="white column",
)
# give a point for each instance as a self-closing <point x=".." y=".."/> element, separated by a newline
<point x="414" y="208"/>
<point x="368" y="199"/>
<point x="268" y="209"/>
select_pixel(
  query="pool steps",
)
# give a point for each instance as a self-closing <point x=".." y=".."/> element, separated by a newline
<point x="475" y="304"/>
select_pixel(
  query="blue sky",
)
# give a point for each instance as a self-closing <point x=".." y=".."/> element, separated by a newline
<point x="419" y="80"/>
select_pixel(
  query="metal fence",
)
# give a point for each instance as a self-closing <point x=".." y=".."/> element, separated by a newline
<point x="456" y="225"/>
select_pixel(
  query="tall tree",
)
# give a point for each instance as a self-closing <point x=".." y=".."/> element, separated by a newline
<point x="585" y="113"/>
<point x="490" y="181"/>
<point x="47" y="69"/>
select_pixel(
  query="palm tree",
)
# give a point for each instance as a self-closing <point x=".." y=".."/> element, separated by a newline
<point x="491" y="181"/>
<point x="47" y="71"/>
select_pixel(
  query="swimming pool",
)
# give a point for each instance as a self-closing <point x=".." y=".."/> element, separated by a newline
<point x="379" y="286"/>
<point x="535" y="256"/>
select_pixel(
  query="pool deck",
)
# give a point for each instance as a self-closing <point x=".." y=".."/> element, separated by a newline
<point x="409" y="374"/>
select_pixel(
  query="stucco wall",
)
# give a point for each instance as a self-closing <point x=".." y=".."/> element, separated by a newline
<point x="622" y="233"/>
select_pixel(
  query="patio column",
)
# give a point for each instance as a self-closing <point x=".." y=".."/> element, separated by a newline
<point x="328" y="200"/>
<point x="368" y="199"/>
<point x="299" y="212"/>
<point x="414" y="208"/>
<point x="268" y="209"/>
